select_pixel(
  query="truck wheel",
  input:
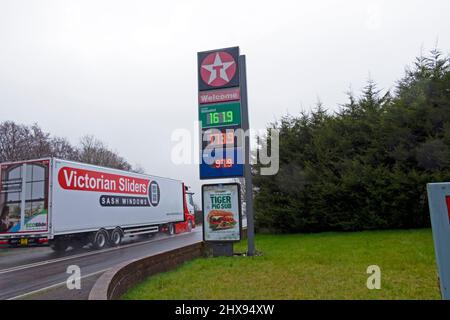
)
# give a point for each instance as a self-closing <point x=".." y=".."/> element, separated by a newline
<point x="171" y="229"/>
<point x="116" y="237"/>
<point x="59" y="245"/>
<point x="189" y="227"/>
<point x="100" y="239"/>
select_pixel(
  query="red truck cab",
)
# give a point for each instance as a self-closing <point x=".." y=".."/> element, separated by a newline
<point x="189" y="209"/>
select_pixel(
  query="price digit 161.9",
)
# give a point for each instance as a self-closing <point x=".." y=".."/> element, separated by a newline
<point x="220" y="117"/>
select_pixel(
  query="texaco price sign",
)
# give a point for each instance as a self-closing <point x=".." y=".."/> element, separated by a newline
<point x="219" y="99"/>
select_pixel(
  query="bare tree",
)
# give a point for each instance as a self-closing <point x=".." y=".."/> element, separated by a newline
<point x="12" y="141"/>
<point x="94" y="151"/>
<point x="21" y="142"/>
<point x="61" y="148"/>
<point x="38" y="143"/>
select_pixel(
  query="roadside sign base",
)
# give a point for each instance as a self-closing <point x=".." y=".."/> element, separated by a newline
<point x="221" y="249"/>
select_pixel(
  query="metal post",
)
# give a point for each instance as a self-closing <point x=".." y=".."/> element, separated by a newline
<point x="23" y="194"/>
<point x="247" y="167"/>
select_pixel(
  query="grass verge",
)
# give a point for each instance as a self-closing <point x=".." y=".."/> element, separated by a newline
<point x="307" y="266"/>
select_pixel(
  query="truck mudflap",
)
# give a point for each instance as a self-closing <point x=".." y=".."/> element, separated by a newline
<point x="24" y="242"/>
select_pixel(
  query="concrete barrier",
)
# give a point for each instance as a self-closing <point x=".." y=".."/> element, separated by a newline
<point x="118" y="280"/>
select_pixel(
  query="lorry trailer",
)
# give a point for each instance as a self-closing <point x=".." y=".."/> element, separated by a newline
<point x="65" y="204"/>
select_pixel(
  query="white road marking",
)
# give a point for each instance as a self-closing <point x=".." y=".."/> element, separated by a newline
<point x="54" y="285"/>
<point x="41" y="263"/>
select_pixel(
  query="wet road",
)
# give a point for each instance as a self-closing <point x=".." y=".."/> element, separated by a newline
<point x="40" y="273"/>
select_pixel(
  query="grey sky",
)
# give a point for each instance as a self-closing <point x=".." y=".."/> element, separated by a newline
<point x="125" y="71"/>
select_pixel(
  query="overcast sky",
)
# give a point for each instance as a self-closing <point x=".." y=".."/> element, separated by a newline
<point x="125" y="71"/>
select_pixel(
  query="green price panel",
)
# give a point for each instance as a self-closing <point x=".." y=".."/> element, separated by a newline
<point x="220" y="115"/>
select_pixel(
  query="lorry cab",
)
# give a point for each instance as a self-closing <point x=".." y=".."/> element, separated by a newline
<point x="189" y="213"/>
<point x="190" y="202"/>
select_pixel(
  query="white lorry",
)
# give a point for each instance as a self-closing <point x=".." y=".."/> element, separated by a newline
<point x="69" y="204"/>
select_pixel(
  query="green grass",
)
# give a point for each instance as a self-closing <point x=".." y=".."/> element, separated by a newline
<point x="307" y="266"/>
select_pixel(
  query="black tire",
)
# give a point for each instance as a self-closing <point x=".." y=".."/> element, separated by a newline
<point x="171" y="229"/>
<point x="115" y="239"/>
<point x="100" y="239"/>
<point x="59" y="245"/>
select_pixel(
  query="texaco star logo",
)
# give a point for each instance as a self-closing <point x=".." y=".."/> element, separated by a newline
<point x="218" y="68"/>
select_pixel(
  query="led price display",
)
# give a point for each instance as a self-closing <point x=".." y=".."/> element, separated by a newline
<point x="223" y="163"/>
<point x="220" y="115"/>
<point x="223" y="117"/>
<point x="226" y="163"/>
<point x="221" y="137"/>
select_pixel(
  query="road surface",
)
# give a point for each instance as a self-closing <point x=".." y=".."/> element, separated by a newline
<point x="40" y="273"/>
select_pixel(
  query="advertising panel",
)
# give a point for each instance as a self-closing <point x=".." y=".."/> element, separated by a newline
<point x="221" y="212"/>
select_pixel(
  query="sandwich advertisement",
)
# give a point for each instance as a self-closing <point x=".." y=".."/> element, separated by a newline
<point x="221" y="212"/>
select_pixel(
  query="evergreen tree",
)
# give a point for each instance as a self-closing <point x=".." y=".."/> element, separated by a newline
<point x="366" y="166"/>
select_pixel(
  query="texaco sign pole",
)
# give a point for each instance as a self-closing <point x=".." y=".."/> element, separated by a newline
<point x="247" y="166"/>
<point x="223" y="106"/>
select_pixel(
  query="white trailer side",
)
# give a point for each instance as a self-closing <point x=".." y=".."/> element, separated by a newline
<point x="67" y="203"/>
<point x="106" y="206"/>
